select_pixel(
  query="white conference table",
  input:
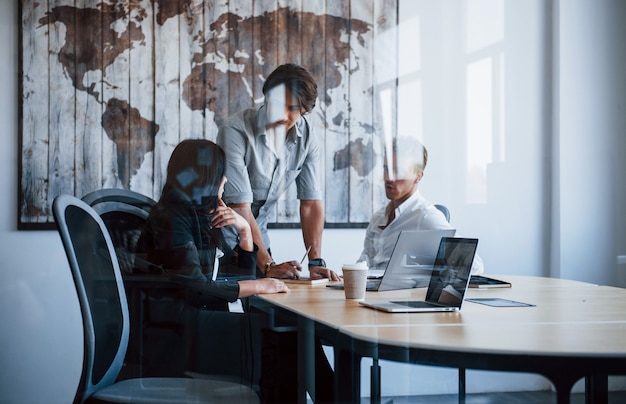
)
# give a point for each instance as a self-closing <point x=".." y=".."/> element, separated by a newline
<point x="575" y="330"/>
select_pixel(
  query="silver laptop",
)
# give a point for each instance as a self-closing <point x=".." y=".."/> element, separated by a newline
<point x="448" y="282"/>
<point x="411" y="261"/>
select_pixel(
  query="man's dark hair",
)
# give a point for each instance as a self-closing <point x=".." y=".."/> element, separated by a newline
<point x="298" y="80"/>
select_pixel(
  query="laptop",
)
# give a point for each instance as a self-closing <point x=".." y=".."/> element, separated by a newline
<point x="448" y="282"/>
<point x="411" y="261"/>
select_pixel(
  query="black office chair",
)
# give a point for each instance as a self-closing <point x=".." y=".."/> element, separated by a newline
<point x="157" y="332"/>
<point x="124" y="223"/>
<point x="119" y="195"/>
<point x="124" y="213"/>
<point x="162" y="342"/>
<point x="104" y="310"/>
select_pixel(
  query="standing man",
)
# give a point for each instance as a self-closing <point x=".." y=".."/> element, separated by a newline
<point x="267" y="150"/>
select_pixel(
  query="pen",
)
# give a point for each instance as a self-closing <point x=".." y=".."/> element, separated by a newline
<point x="305" y="254"/>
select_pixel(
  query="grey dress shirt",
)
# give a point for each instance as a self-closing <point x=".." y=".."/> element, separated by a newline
<point x="258" y="174"/>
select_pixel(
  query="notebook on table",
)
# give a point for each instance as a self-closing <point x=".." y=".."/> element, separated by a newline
<point x="448" y="282"/>
<point x="411" y="261"/>
<point x="305" y="281"/>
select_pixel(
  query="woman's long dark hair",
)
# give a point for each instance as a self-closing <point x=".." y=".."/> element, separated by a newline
<point x="198" y="166"/>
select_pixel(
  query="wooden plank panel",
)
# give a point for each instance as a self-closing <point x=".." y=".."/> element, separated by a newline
<point x="361" y="123"/>
<point x="143" y="129"/>
<point x="191" y="22"/>
<point x="116" y="145"/>
<point x="217" y="51"/>
<point x="240" y="71"/>
<point x="264" y="36"/>
<point x="62" y="115"/>
<point x="313" y="38"/>
<point x="385" y="45"/>
<point x="89" y="132"/>
<point x="207" y="70"/>
<point x="215" y="84"/>
<point x="314" y="59"/>
<point x="290" y="50"/>
<point x="266" y="44"/>
<point x="336" y="111"/>
<point x="117" y="74"/>
<point x="235" y="100"/>
<point x="292" y="38"/>
<point x="167" y="90"/>
<point x="34" y="130"/>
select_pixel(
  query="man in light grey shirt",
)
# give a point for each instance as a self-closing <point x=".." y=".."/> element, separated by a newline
<point x="267" y="150"/>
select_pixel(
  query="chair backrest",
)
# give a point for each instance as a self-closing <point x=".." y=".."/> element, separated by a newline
<point x="119" y="195"/>
<point x="124" y="213"/>
<point x="445" y="211"/>
<point x="100" y="290"/>
<point x="124" y="223"/>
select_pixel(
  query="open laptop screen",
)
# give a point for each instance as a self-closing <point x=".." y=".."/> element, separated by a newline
<point x="412" y="259"/>
<point x="452" y="271"/>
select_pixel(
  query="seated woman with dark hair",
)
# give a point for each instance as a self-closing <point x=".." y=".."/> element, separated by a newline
<point x="182" y="240"/>
<point x="183" y="235"/>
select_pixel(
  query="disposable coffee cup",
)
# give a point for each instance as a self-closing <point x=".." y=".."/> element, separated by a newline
<point x="354" y="280"/>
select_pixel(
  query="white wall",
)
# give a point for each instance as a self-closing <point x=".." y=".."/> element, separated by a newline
<point x="41" y="331"/>
<point x="554" y="201"/>
<point x="591" y="142"/>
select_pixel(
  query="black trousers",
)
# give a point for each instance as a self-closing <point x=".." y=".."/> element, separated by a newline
<point x="279" y="364"/>
<point x="228" y="345"/>
<point x="243" y="348"/>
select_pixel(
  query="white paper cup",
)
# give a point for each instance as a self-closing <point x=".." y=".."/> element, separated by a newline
<point x="354" y="280"/>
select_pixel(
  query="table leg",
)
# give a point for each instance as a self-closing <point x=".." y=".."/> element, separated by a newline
<point x="135" y="349"/>
<point x="563" y="386"/>
<point x="347" y="375"/>
<point x="375" y="382"/>
<point x="461" y="385"/>
<point x="306" y="358"/>
<point x="596" y="389"/>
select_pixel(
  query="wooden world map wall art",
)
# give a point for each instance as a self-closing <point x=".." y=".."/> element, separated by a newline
<point x="109" y="88"/>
